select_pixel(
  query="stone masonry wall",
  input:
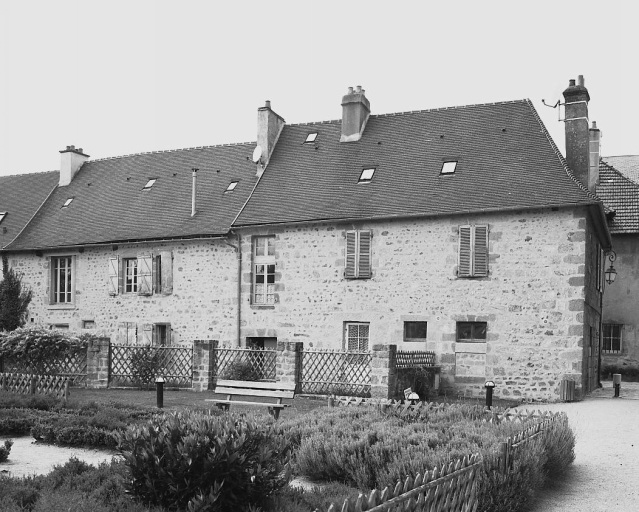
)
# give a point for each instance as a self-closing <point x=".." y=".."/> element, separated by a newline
<point x="532" y="300"/>
<point x="203" y="304"/>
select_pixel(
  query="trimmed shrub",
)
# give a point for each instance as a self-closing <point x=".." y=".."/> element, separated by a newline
<point x="204" y="462"/>
<point x="241" y="370"/>
<point x="5" y="450"/>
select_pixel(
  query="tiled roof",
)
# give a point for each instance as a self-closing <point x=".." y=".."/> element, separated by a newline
<point x="20" y="197"/>
<point x="506" y="160"/>
<point x="109" y="204"/>
<point x="621" y="196"/>
<point x="628" y="165"/>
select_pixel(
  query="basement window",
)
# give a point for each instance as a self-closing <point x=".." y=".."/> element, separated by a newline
<point x="449" y="167"/>
<point x="67" y="202"/>
<point x="149" y="183"/>
<point x="2" y="216"/>
<point x="231" y="186"/>
<point x="367" y="175"/>
<point x="310" y="138"/>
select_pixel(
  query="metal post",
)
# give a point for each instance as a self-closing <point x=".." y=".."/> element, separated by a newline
<point x="616" y="380"/>
<point x="159" y="386"/>
<point x="490" y="385"/>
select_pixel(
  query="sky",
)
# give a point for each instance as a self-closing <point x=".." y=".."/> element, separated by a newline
<point x="123" y="77"/>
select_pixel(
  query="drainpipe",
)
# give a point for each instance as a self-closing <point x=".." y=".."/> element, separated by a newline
<point x="238" y="249"/>
<point x="193" y="192"/>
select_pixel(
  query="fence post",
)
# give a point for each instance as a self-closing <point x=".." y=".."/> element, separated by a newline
<point x="98" y="364"/>
<point x="503" y="457"/>
<point x="289" y="361"/>
<point x="32" y="385"/>
<point x="204" y="364"/>
<point x="383" y="371"/>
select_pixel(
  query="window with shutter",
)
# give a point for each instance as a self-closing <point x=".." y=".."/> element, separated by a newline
<point x="146" y="337"/>
<point x="145" y="274"/>
<point x="165" y="268"/>
<point x="264" y="270"/>
<point x="114" y="276"/>
<point x="130" y="273"/>
<point x="358" y="264"/>
<point x="473" y="251"/>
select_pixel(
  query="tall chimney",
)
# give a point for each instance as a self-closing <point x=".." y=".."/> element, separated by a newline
<point x="355" y="112"/>
<point x="595" y="154"/>
<point x="269" y="127"/>
<point x="71" y="160"/>
<point x="577" y="131"/>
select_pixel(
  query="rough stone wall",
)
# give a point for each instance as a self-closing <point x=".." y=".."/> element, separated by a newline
<point x="532" y="300"/>
<point x="203" y="304"/>
<point x="621" y="300"/>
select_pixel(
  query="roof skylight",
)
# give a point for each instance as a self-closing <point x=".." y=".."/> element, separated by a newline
<point x="367" y="175"/>
<point x="449" y="167"/>
<point x="149" y="183"/>
<point x="2" y="216"/>
<point x="310" y="137"/>
<point x="231" y="186"/>
<point x="67" y="202"/>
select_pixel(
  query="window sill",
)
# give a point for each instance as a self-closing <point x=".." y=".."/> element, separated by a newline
<point x="61" y="306"/>
<point x="262" y="306"/>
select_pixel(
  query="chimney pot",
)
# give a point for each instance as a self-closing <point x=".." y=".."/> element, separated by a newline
<point x="267" y="103"/>
<point x="594" y="125"/>
<point x="359" y="88"/>
<point x="571" y="82"/>
<point x="580" y="81"/>
<point x="350" y="90"/>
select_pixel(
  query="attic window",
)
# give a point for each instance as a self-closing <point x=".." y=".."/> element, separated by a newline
<point x="2" y="216"/>
<point x="449" y="167"/>
<point x="149" y="183"/>
<point x="67" y="202"/>
<point x="367" y="175"/>
<point x="310" y="138"/>
<point x="231" y="186"/>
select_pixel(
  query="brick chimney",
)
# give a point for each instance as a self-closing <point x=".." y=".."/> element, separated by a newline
<point x="71" y="160"/>
<point x="269" y="127"/>
<point x="577" y="131"/>
<point x="355" y="112"/>
<point x="595" y="154"/>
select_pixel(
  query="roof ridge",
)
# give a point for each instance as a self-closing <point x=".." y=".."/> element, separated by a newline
<point x="27" y="174"/>
<point x="315" y="122"/>
<point x="619" y="156"/>
<point x="562" y="160"/>
<point x="157" y="152"/>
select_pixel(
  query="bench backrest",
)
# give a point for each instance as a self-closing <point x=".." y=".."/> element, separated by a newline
<point x="243" y="387"/>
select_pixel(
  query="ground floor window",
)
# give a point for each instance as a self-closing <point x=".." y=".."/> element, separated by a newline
<point x="356" y="336"/>
<point x="471" y="332"/>
<point x="612" y="338"/>
<point x="415" y="331"/>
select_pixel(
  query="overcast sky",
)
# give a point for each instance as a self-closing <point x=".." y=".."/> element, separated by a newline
<point x="120" y="77"/>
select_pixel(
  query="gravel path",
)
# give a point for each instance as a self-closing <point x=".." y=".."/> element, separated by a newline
<point x="605" y="474"/>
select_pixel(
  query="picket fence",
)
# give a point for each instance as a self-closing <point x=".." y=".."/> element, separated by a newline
<point x="27" y="384"/>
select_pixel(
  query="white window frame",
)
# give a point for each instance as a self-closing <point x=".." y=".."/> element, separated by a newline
<point x="130" y="284"/>
<point x="68" y="295"/>
<point x="608" y="335"/>
<point x="359" y="332"/>
<point x="264" y="268"/>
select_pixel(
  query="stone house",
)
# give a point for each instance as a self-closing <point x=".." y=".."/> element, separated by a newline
<point x="619" y="190"/>
<point x="462" y="230"/>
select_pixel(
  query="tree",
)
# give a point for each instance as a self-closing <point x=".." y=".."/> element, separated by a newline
<point x="14" y="299"/>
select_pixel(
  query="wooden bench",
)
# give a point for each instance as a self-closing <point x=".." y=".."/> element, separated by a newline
<point x="276" y="391"/>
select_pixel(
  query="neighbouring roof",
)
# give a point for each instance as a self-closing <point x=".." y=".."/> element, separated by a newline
<point x="109" y="204"/>
<point x="506" y="160"/>
<point x="628" y="165"/>
<point x="20" y="197"/>
<point x="620" y="195"/>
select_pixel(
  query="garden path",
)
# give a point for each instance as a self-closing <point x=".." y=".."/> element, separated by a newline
<point x="604" y="474"/>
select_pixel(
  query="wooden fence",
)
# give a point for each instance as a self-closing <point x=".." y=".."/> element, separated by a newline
<point x="325" y="372"/>
<point x="263" y="362"/>
<point x="27" y="384"/>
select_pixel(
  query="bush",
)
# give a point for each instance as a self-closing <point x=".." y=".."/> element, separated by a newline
<point x="14" y="299"/>
<point x="241" y="370"/>
<point x="204" y="462"/>
<point x="5" y="450"/>
<point x="145" y="365"/>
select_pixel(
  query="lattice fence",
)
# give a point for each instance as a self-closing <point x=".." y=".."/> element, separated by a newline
<point x="263" y="362"/>
<point x="73" y="366"/>
<point x="450" y="488"/>
<point x="414" y="359"/>
<point x="326" y="372"/>
<point x="134" y="366"/>
<point x="26" y="384"/>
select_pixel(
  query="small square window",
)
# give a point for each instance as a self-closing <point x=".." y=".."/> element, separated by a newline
<point x="415" y="331"/>
<point x="149" y="183"/>
<point x="231" y="186"/>
<point x="67" y="202"/>
<point x="310" y="138"/>
<point x="88" y="324"/>
<point x="2" y="216"/>
<point x="367" y="175"/>
<point x="449" y="167"/>
<point x="471" y="332"/>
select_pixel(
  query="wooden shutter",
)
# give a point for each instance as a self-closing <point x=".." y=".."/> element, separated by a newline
<point x="122" y="333"/>
<point x="364" y="260"/>
<point x="167" y="272"/>
<point x="114" y="276"/>
<point x="145" y="274"/>
<point x="350" y="270"/>
<point x="480" y="248"/>
<point x="464" y="268"/>
<point x="147" y="335"/>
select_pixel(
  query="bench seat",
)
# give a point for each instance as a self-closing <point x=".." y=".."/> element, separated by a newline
<point x="277" y="391"/>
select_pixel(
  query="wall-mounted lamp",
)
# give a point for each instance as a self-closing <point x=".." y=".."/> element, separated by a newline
<point x="611" y="273"/>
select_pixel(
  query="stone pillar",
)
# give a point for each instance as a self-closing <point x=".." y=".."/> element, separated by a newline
<point x="289" y="361"/>
<point x="383" y="371"/>
<point x="204" y="364"/>
<point x="98" y="363"/>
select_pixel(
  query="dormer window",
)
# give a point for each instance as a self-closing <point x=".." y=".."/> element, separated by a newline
<point x="67" y="202"/>
<point x="2" y="216"/>
<point x="231" y="186"/>
<point x="449" y="167"/>
<point x="149" y="183"/>
<point x="367" y="175"/>
<point x="310" y="138"/>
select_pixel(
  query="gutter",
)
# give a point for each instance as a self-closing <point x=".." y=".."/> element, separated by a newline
<point x="238" y="249"/>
